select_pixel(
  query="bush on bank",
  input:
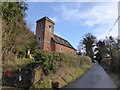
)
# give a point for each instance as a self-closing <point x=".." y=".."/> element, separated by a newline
<point x="48" y="67"/>
<point x="59" y="67"/>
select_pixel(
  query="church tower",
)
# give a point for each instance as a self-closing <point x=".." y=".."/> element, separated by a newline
<point x="44" y="33"/>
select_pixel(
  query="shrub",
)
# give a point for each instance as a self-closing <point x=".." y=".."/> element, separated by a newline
<point x="59" y="67"/>
<point x="48" y="60"/>
<point x="21" y="53"/>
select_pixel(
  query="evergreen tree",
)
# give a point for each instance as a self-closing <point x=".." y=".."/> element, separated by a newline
<point x="88" y="44"/>
<point x="16" y="34"/>
<point x="102" y="50"/>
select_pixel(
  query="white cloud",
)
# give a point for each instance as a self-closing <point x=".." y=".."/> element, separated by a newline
<point x="97" y="14"/>
<point x="103" y="12"/>
<point x="68" y="13"/>
<point x="100" y="15"/>
<point x="92" y="22"/>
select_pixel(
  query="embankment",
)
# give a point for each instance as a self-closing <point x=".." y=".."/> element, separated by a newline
<point x="48" y="67"/>
<point x="69" y="67"/>
<point x="112" y="71"/>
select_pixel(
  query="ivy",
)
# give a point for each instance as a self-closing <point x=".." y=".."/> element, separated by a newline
<point x="48" y="60"/>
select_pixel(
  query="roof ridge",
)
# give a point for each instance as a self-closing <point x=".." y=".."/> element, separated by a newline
<point x="45" y="18"/>
<point x="60" y="37"/>
<point x="65" y="42"/>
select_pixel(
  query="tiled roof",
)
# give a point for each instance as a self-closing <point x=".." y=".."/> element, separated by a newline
<point x="62" y="41"/>
<point x="45" y="18"/>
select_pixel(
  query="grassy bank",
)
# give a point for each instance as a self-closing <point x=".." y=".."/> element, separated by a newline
<point x="64" y="76"/>
<point x="48" y="67"/>
<point x="70" y="67"/>
<point x="114" y="76"/>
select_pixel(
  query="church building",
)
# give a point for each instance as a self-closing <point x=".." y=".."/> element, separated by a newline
<point x="48" y="41"/>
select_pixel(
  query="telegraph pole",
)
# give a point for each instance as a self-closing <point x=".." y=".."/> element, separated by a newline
<point x="119" y="23"/>
<point x="118" y="40"/>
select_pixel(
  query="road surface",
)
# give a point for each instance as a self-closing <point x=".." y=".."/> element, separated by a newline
<point x="96" y="77"/>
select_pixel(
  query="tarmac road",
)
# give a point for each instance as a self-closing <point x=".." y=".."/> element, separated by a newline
<point x="96" y="77"/>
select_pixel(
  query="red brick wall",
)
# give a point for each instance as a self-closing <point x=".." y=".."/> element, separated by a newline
<point x="40" y="32"/>
<point x="47" y="23"/>
<point x="65" y="49"/>
<point x="46" y="47"/>
<point x="45" y="30"/>
<point x="45" y="33"/>
<point x="52" y="45"/>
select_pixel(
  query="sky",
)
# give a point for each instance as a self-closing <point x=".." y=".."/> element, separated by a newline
<point x="75" y="19"/>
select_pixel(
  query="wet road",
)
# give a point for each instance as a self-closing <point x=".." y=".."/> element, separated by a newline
<point x="96" y="77"/>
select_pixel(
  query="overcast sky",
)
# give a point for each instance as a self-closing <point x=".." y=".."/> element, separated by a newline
<point x="74" y="19"/>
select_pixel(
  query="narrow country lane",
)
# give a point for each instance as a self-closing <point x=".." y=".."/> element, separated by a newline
<point x="96" y="77"/>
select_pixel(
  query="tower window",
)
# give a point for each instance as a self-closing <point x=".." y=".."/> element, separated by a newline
<point x="50" y="26"/>
<point x="39" y="40"/>
<point x="40" y="25"/>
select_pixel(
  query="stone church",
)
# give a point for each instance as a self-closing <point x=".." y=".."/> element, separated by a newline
<point x="48" y="41"/>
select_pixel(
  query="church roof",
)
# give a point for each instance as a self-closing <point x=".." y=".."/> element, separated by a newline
<point x="62" y="41"/>
<point x="46" y="19"/>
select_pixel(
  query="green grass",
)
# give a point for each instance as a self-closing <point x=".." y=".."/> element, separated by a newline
<point x="64" y="79"/>
<point x="24" y="61"/>
<point x="114" y="76"/>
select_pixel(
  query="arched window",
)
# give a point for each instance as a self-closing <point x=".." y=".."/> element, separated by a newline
<point x="39" y="39"/>
<point x="61" y="49"/>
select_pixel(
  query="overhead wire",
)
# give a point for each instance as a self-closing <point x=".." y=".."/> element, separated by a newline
<point x="113" y="25"/>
